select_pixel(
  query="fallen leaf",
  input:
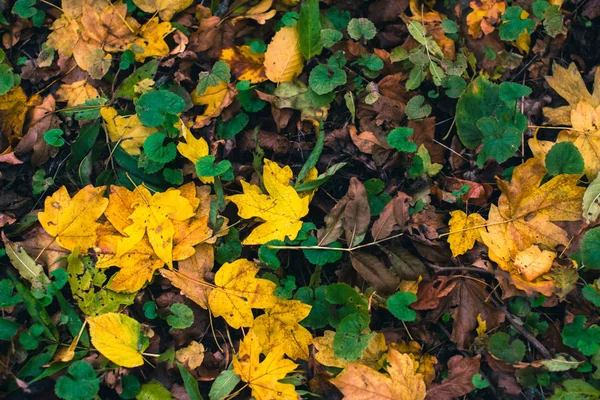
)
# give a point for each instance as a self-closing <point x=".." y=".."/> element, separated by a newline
<point x="166" y="9"/>
<point x="374" y="271"/>
<point x="371" y="356"/>
<point x="118" y="338"/>
<point x="483" y="17"/>
<point x="193" y="149"/>
<point x="459" y="381"/>
<point x="215" y="98"/>
<point x="394" y="216"/>
<point x="283" y="59"/>
<point x="357" y="213"/>
<point x="192" y="355"/>
<point x="259" y="13"/>
<point x="128" y="131"/>
<point x="245" y="64"/>
<point x="153" y="40"/>
<point x="464" y="231"/>
<point x="14" y="107"/>
<point x="76" y="93"/>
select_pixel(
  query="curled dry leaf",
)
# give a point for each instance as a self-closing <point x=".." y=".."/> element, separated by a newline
<point x="357" y="213"/>
<point x="395" y="216"/>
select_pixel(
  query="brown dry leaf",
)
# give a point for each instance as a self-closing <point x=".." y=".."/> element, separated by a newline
<point x="459" y="381"/>
<point x="192" y="355"/>
<point x="111" y="29"/>
<point x="245" y="64"/>
<point x="260" y="12"/>
<point x="394" y="216"/>
<point x="14" y="106"/>
<point x="485" y="14"/>
<point x="432" y="21"/>
<point x="357" y="213"/>
<point x="406" y="265"/>
<point x="76" y="93"/>
<point x="334" y="224"/>
<point x="42" y="247"/>
<point x="42" y="120"/>
<point x="283" y="59"/>
<point x="190" y="275"/>
<point x="64" y="35"/>
<point x="368" y="143"/>
<point x="374" y="271"/>
<point x="359" y="382"/>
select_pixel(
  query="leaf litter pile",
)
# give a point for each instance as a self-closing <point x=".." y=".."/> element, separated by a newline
<point x="284" y="199"/>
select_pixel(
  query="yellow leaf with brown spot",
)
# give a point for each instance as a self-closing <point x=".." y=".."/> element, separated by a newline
<point x="281" y="209"/>
<point x="283" y="59"/>
<point x="153" y="40"/>
<point x="464" y="231"/>
<point x="128" y="131"/>
<point x="245" y="64"/>
<point x="237" y="291"/>
<point x="72" y="221"/>
<point x="111" y="29"/>
<point x="215" y="98"/>
<point x="263" y="377"/>
<point x="118" y="338"/>
<point x="359" y="382"/>
<point x="260" y="12"/>
<point x="279" y="325"/>
<point x="76" y="93"/>
<point x="166" y="9"/>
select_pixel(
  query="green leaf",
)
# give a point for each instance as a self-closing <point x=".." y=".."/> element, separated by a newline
<point x="157" y="151"/>
<point x="329" y="37"/>
<point x="553" y="21"/>
<point x="324" y="80"/>
<point x="564" y="158"/>
<point x="250" y="102"/>
<point x="500" y="141"/>
<point x="153" y="390"/>
<point x="350" y="338"/>
<point x="480" y="99"/>
<point x="54" y="137"/>
<point x="398" y="305"/>
<point x="321" y="179"/>
<point x="235" y="125"/>
<point x="576" y="389"/>
<point x="231" y="247"/>
<point x="591" y="201"/>
<point x="39" y="182"/>
<point x="398" y="139"/>
<point x="149" y="308"/>
<point x="415" y="77"/>
<point x="590" y="249"/>
<point x="419" y="33"/>
<point x="173" y="176"/>
<point x="371" y="62"/>
<point x="479" y="382"/>
<point x="127" y="88"/>
<point x="513" y="25"/>
<point x="268" y="255"/>
<point x="219" y="73"/>
<point x="7" y="79"/>
<point x="454" y="86"/>
<point x="313" y="158"/>
<point x="351" y="302"/>
<point x="181" y="316"/>
<point x="24" y="8"/>
<point x="320" y="313"/>
<point x="399" y="54"/>
<point x="339" y="18"/>
<point x="80" y="384"/>
<point x="88" y="111"/>
<point x="500" y="347"/>
<point x="153" y="107"/>
<point x="449" y="26"/>
<point x="190" y="383"/>
<point x="131" y="386"/>
<point x="205" y="166"/>
<point x="290" y="18"/>
<point x="510" y="92"/>
<point x="539" y="7"/>
<point x="361" y="27"/>
<point x="417" y="109"/>
<point x="309" y="29"/>
<point x="84" y="143"/>
<point x="28" y="269"/>
<point x="586" y="340"/>
<point x="7" y="299"/>
<point x="8" y="329"/>
<point x="224" y="384"/>
<point x="321" y="257"/>
<point x="429" y="168"/>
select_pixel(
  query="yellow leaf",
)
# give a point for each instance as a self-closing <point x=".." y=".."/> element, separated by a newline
<point x="533" y="262"/>
<point x="111" y="29"/>
<point x="195" y="230"/>
<point x="154" y="215"/>
<point x="193" y="149"/>
<point x="128" y="131"/>
<point x="237" y="291"/>
<point x="371" y="356"/>
<point x="424" y="363"/>
<point x="245" y="64"/>
<point x="215" y="98"/>
<point x="483" y="17"/>
<point x="153" y="40"/>
<point x="166" y="9"/>
<point x="76" y="93"/>
<point x="464" y="231"/>
<point x="263" y="377"/>
<point x="189" y="277"/>
<point x="481" y="326"/>
<point x="523" y="42"/>
<point x="118" y="338"/>
<point x="283" y="59"/>
<point x="281" y="209"/>
<point x="72" y="221"/>
<point x="259" y="13"/>
<point x="279" y="326"/>
<point x="14" y="106"/>
<point x="359" y="382"/>
<point x="192" y="355"/>
<point x="64" y="35"/>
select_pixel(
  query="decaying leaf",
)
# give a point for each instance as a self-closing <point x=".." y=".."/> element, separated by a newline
<point x="245" y="64"/>
<point x="483" y="17"/>
<point x="192" y="355"/>
<point x="166" y="9"/>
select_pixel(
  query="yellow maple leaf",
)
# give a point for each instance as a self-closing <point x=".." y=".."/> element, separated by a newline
<point x="260" y="12"/>
<point x="245" y="64"/>
<point x="358" y="382"/>
<point x="281" y="210"/>
<point x="464" y="231"/>
<point x="263" y="377"/>
<point x="279" y="326"/>
<point x="533" y="262"/>
<point x="283" y="58"/>
<point x="523" y="42"/>
<point x="424" y="363"/>
<point x="166" y="9"/>
<point x="483" y="17"/>
<point x="128" y="131"/>
<point x="192" y="355"/>
<point x="215" y="98"/>
<point x="64" y="35"/>
<point x="372" y="356"/>
<point x="189" y="276"/>
<point x="72" y="221"/>
<point x="193" y="149"/>
<point x="110" y="29"/>
<point x="237" y="291"/>
<point x="118" y="338"/>
<point x="153" y="39"/>
<point x="76" y="93"/>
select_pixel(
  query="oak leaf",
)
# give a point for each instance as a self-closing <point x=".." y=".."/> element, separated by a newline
<point x="263" y="377"/>
<point x="464" y="231"/>
<point x="283" y="59"/>
<point x="359" y="382"/>
<point x="118" y="338"/>
<point x="237" y="291"/>
<point x="72" y="221"/>
<point x="279" y="326"/>
<point x="483" y="17"/>
<point x="128" y="131"/>
<point x="281" y="209"/>
<point x="245" y="64"/>
<point x="166" y="9"/>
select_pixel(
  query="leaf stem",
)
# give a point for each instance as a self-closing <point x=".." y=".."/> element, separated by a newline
<point x="350" y="249"/>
